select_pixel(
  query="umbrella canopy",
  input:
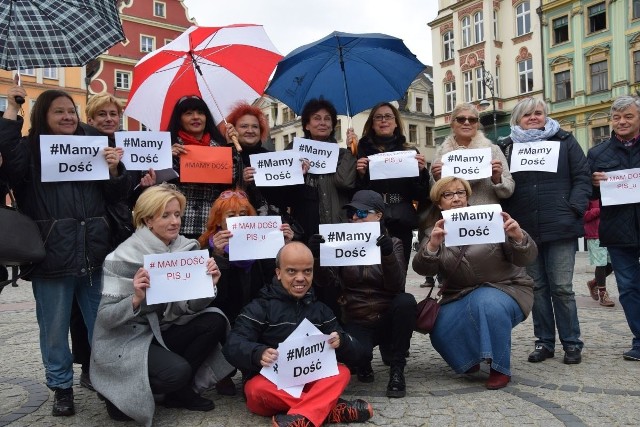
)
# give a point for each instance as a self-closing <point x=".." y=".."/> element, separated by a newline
<point x="353" y="71"/>
<point x="56" y="33"/>
<point x="222" y="65"/>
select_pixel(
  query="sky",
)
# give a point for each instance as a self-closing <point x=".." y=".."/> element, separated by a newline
<point x="291" y="23"/>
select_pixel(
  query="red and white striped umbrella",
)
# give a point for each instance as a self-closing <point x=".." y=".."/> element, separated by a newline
<point x="222" y="65"/>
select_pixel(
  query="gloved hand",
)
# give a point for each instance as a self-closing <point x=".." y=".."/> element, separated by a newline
<point x="314" y="244"/>
<point x="386" y="245"/>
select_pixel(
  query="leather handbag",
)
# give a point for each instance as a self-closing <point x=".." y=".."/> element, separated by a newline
<point x="429" y="307"/>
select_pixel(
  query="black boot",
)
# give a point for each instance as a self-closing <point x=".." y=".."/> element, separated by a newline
<point x="397" y="386"/>
<point x="63" y="402"/>
<point x="115" y="413"/>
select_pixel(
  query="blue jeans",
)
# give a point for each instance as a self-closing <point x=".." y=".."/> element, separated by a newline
<point x="626" y="267"/>
<point x="53" y="311"/>
<point x="552" y="273"/>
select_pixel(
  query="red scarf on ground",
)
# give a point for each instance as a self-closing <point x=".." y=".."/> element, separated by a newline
<point x="189" y="139"/>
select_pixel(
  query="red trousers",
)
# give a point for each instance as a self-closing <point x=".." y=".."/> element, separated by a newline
<point x="315" y="403"/>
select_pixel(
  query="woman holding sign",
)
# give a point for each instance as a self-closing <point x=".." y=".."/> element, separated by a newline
<point x="192" y="124"/>
<point x="72" y="219"/>
<point x="550" y="205"/>
<point x="486" y="290"/>
<point x="465" y="134"/>
<point x="383" y="133"/>
<point x="141" y="349"/>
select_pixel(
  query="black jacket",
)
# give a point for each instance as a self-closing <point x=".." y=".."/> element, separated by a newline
<point x="70" y="215"/>
<point x="619" y="224"/>
<point x="550" y="206"/>
<point x="269" y="319"/>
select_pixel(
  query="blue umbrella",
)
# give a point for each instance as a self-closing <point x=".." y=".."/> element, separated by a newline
<point x="353" y="71"/>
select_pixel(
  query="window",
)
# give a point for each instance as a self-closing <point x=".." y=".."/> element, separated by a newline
<point x="447" y="46"/>
<point x="525" y="75"/>
<point x="50" y="73"/>
<point x="167" y="41"/>
<point x="449" y="96"/>
<point x="597" y="17"/>
<point x="636" y="66"/>
<point x="143" y="127"/>
<point x="147" y="43"/>
<point x="159" y="9"/>
<point x="291" y="136"/>
<point x="478" y="27"/>
<point x="599" y="76"/>
<point x="495" y="25"/>
<point x="285" y="140"/>
<point x="496" y="82"/>
<point x="413" y="133"/>
<point x="636" y="9"/>
<point x="561" y="30"/>
<point x="480" y="83"/>
<point x="419" y="105"/>
<point x="123" y="80"/>
<point x="3" y="103"/>
<point x="523" y="18"/>
<point x="28" y="72"/>
<point x="122" y="122"/>
<point x="563" y="85"/>
<point x="338" y="131"/>
<point x="428" y="136"/>
<point x="466" y="31"/>
<point x="467" y="84"/>
<point x="600" y="134"/>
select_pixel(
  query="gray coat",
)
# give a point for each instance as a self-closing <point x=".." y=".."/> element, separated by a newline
<point x="121" y="336"/>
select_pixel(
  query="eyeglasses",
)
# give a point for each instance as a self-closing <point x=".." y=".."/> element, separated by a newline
<point x="230" y="193"/>
<point x="360" y="213"/>
<point x="448" y="195"/>
<point x="462" y="120"/>
<point x="381" y="117"/>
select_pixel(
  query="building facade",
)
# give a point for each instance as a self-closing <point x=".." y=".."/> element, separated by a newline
<point x="592" y="55"/>
<point x="487" y="53"/>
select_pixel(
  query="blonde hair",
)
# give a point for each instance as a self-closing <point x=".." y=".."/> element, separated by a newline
<point x="100" y="100"/>
<point x="154" y="200"/>
<point x="436" y="190"/>
<point x="526" y="105"/>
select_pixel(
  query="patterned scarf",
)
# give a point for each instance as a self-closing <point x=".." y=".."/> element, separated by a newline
<point x="551" y="127"/>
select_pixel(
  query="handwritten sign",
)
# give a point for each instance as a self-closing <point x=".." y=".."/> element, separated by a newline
<point x="541" y="156"/>
<point x="277" y="168"/>
<point x="323" y="156"/>
<point x="350" y="244"/>
<point x="473" y="225"/>
<point x="211" y="165"/>
<point x="394" y="164"/>
<point x="178" y="276"/>
<point x="474" y="163"/>
<point x="621" y="187"/>
<point x="254" y="237"/>
<point x="73" y="158"/>
<point x="144" y="150"/>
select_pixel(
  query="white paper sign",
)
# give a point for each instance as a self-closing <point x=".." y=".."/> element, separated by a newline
<point x="621" y="187"/>
<point x="178" y="276"/>
<point x="254" y="237"/>
<point x="144" y="150"/>
<point x="394" y="164"/>
<point x="541" y="156"/>
<point x="306" y="359"/>
<point x="473" y="225"/>
<point x="277" y="168"/>
<point x="73" y="158"/>
<point x="350" y="244"/>
<point x="469" y="164"/>
<point x="323" y="156"/>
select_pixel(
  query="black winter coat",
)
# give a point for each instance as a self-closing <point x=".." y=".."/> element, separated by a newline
<point x="550" y="206"/>
<point x="269" y="319"/>
<point x="70" y="215"/>
<point x="619" y="224"/>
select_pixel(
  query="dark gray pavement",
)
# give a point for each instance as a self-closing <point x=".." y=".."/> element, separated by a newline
<point x="603" y="390"/>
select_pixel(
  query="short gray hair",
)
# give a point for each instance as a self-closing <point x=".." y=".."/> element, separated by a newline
<point x="527" y="105"/>
<point x="625" y="101"/>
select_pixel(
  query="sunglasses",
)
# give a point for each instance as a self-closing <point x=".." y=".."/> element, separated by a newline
<point x="462" y="120"/>
<point x="360" y="213"/>
<point x="230" y="193"/>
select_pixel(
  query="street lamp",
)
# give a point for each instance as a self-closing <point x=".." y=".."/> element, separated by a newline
<point x="488" y="83"/>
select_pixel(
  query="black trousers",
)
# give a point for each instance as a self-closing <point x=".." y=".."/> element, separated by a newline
<point x="392" y="332"/>
<point x="189" y="345"/>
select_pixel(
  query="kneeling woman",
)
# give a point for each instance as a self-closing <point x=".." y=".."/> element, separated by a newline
<point x="140" y="349"/>
<point x="486" y="293"/>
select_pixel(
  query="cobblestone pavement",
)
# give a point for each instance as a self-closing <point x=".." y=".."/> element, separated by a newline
<point x="603" y="390"/>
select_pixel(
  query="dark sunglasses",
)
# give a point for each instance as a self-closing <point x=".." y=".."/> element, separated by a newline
<point x="360" y="213"/>
<point x="471" y="120"/>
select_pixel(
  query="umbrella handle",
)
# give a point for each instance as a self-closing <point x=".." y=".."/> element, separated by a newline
<point x="236" y="143"/>
<point x="353" y="145"/>
<point x="19" y="100"/>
